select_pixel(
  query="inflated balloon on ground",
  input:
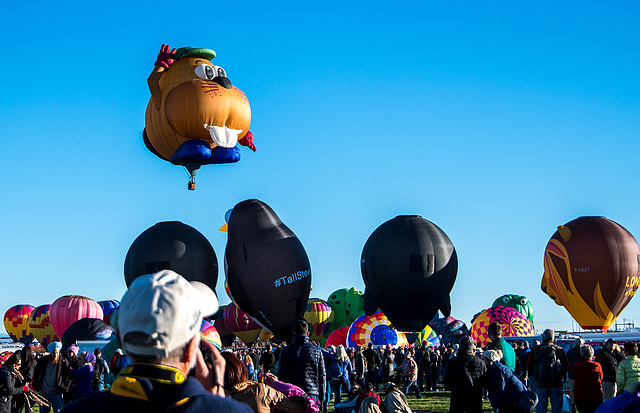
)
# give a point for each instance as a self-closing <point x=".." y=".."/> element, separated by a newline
<point x="108" y="307"/>
<point x="409" y="266"/>
<point x="71" y="308"/>
<point x="518" y="302"/>
<point x="86" y="329"/>
<point x="319" y="316"/>
<point x="243" y="326"/>
<point x="41" y="327"/>
<point x="16" y="322"/>
<point x="376" y="329"/>
<point x="514" y="324"/>
<point x="347" y="305"/>
<point x="591" y="267"/>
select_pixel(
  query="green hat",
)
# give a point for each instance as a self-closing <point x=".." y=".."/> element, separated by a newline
<point x="194" y="52"/>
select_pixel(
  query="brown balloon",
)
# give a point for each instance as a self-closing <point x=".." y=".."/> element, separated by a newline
<point x="591" y="267"/>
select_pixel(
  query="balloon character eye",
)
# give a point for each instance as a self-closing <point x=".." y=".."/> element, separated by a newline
<point x="523" y="301"/>
<point x="506" y="300"/>
<point x="219" y="71"/>
<point x="205" y="72"/>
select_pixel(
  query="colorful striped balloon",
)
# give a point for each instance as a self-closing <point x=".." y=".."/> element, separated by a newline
<point x="243" y="326"/>
<point x="376" y="329"/>
<point x="16" y="322"/>
<point x="319" y="316"/>
<point x="41" y="327"/>
<point x="70" y="308"/>
<point x="208" y="332"/>
<point x="428" y="334"/>
<point x="108" y="307"/>
<point x="513" y="322"/>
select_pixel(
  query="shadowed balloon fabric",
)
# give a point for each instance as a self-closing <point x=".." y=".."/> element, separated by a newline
<point x="409" y="266"/>
<point x="268" y="271"/>
<point x="591" y="267"/>
<point x="172" y="246"/>
<point x="86" y="329"/>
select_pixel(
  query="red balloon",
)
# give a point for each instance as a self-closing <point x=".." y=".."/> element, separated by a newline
<point x="71" y="308"/>
<point x="337" y="337"/>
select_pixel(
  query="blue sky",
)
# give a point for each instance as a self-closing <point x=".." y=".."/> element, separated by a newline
<point x="496" y="121"/>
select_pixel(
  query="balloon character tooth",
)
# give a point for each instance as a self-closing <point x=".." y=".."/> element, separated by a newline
<point x="195" y="115"/>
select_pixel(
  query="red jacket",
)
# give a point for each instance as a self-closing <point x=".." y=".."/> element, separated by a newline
<point x="588" y="376"/>
<point x="363" y="396"/>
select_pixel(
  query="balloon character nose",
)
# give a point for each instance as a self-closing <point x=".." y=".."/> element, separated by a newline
<point x="223" y="81"/>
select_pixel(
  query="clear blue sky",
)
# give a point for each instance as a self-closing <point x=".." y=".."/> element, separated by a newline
<point x="496" y="121"/>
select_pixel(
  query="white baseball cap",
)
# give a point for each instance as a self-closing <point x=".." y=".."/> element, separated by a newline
<point x="166" y="307"/>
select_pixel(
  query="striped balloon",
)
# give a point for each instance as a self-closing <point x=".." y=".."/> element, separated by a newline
<point x="319" y="316"/>
<point x="429" y="335"/>
<point x="108" y="307"/>
<point x="208" y="332"/>
<point x="376" y="329"/>
<point x="16" y="322"/>
<point x="70" y="308"/>
<point x="514" y="324"/>
<point x="41" y="327"/>
<point x="243" y="326"/>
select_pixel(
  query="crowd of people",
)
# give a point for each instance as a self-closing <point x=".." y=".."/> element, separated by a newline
<point x="164" y="366"/>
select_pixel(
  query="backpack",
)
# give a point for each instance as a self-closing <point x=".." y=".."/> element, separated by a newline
<point x="336" y="369"/>
<point x="546" y="367"/>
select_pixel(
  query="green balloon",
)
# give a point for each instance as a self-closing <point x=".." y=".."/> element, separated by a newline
<point x="517" y="302"/>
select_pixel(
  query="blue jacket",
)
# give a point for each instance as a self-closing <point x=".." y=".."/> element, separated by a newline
<point x="505" y="388"/>
<point x="133" y="391"/>
<point x="302" y="364"/>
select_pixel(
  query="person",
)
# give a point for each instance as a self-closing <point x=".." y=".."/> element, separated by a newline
<point x="339" y="369"/>
<point x="463" y="378"/>
<point x="423" y="358"/>
<point x="587" y="381"/>
<point x="436" y="366"/>
<point x="373" y="365"/>
<point x="360" y="365"/>
<point x="628" y="375"/>
<point x="573" y="356"/>
<point x="506" y="351"/>
<point x="159" y="329"/>
<point x="100" y="369"/>
<point x="11" y="382"/>
<point x="548" y="365"/>
<point x="505" y="388"/>
<point x="248" y="361"/>
<point x="52" y="377"/>
<point x="409" y="370"/>
<point x="609" y="365"/>
<point x="27" y="367"/>
<point x="259" y="396"/>
<point x="388" y="367"/>
<point x="368" y="392"/>
<point x="396" y="401"/>
<point x="268" y="359"/>
<point x="301" y="363"/>
<point x="83" y="376"/>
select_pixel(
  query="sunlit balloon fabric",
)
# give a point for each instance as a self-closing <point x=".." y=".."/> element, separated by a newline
<point x="337" y="337"/>
<point x="591" y="267"/>
<point x="108" y="307"/>
<point x="40" y="325"/>
<point x="70" y="308"/>
<point x="409" y="266"/>
<point x="429" y="335"/>
<point x="519" y="302"/>
<point x="208" y="332"/>
<point x="514" y="324"/>
<point x="243" y="326"/>
<point x="4" y="356"/>
<point x="16" y="322"/>
<point x="319" y="316"/>
<point x="376" y="329"/>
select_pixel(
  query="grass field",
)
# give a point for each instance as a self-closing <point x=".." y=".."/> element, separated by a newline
<point x="430" y="402"/>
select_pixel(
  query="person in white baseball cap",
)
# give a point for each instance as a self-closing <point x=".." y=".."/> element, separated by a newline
<point x="159" y="329"/>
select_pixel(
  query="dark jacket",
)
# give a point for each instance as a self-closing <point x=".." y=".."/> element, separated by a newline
<point x="609" y="365"/>
<point x="302" y="364"/>
<point x="505" y="388"/>
<point x="63" y="376"/>
<point x="268" y="361"/>
<point x="464" y="378"/>
<point x="8" y="389"/>
<point x="562" y="368"/>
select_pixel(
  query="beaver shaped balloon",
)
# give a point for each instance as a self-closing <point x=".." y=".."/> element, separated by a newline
<point x="195" y="115"/>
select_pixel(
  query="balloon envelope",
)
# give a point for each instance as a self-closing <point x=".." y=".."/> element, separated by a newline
<point x="70" y="308"/>
<point x="108" y="307"/>
<point x="514" y="324"/>
<point x="86" y="329"/>
<point x="208" y="332"/>
<point x="591" y="267"/>
<point x="268" y="271"/>
<point x="41" y="327"/>
<point x="409" y="266"/>
<point x="243" y="326"/>
<point x="16" y="322"/>
<point x="172" y="246"/>
<point x="518" y="302"/>
<point x="226" y="335"/>
<point x="337" y="337"/>
<point x="319" y="316"/>
<point x="376" y="329"/>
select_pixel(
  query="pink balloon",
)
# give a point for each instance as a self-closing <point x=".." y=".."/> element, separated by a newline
<point x="71" y="308"/>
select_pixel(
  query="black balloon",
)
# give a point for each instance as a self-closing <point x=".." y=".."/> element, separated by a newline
<point x="172" y="246"/>
<point x="86" y="329"/>
<point x="409" y="266"/>
<point x="268" y="271"/>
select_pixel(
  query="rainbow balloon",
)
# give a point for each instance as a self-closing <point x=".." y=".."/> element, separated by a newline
<point x="108" y="307"/>
<point x="319" y="315"/>
<point x="16" y="322"/>
<point x="428" y="334"/>
<point x="208" y="332"/>
<point x="376" y="329"/>
<point x="41" y="327"/>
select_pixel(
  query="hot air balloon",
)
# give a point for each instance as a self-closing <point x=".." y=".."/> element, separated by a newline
<point x="208" y="332"/>
<point x="514" y="324"/>
<point x="195" y="116"/>
<point x="226" y="335"/>
<point x="172" y="246"/>
<point x="319" y="316"/>
<point x="243" y="326"/>
<point x="518" y="302"/>
<point x="113" y="318"/>
<point x="70" y="308"/>
<point x="268" y="270"/>
<point x="347" y="305"/>
<point x="16" y="322"/>
<point x="449" y="329"/>
<point x="376" y="329"/>
<point x="409" y="266"/>
<point x="337" y="337"/>
<point x="429" y="335"/>
<point x="4" y="356"/>
<point x="40" y="325"/>
<point x="108" y="307"/>
<point x="86" y="329"/>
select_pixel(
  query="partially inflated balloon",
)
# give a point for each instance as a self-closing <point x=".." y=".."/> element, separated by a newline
<point x="243" y="326"/>
<point x="71" y="308"/>
<point x="41" y="327"/>
<point x="347" y="305"/>
<point x="449" y="329"/>
<point x="208" y="332"/>
<point x="86" y="329"/>
<point x="514" y="324"/>
<point x="268" y="270"/>
<point x="319" y="316"/>
<point x="518" y="302"/>
<point x="409" y="266"/>
<point x="429" y="335"/>
<point x="172" y="246"/>
<point x="16" y="322"/>
<point x="337" y="337"/>
<point x="108" y="307"/>
<point x="591" y="267"/>
<point x="376" y="329"/>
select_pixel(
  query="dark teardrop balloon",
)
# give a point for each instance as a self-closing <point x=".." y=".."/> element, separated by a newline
<point x="86" y="329"/>
<point x="409" y="266"/>
<point x="173" y="246"/>
<point x="268" y="271"/>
